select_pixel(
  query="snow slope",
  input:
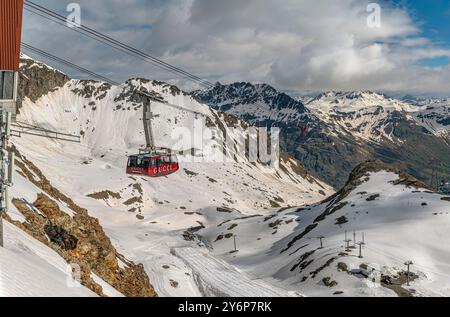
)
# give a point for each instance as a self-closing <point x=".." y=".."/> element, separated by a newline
<point x="367" y="114"/>
<point x="434" y="115"/>
<point x="147" y="218"/>
<point x="30" y="269"/>
<point x="182" y="227"/>
<point x="400" y="222"/>
<point x="256" y="103"/>
<point x="218" y="278"/>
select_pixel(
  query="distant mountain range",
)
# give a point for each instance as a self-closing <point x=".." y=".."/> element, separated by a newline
<point x="345" y="128"/>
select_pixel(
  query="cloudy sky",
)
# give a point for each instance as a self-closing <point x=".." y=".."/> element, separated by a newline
<point x="295" y="45"/>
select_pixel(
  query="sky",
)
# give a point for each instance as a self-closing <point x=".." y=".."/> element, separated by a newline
<point x="294" y="45"/>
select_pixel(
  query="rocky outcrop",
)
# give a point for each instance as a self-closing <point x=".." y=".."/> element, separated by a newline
<point x="37" y="80"/>
<point x="90" y="89"/>
<point x="130" y="93"/>
<point x="225" y="97"/>
<point x="61" y="237"/>
<point x="77" y="237"/>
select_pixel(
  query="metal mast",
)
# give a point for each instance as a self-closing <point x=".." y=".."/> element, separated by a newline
<point x="6" y="168"/>
<point x="2" y="185"/>
<point x="10" y="36"/>
<point x="434" y="163"/>
<point x="148" y="130"/>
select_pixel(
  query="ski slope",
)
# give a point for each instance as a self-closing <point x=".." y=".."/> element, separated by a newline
<point x="400" y="223"/>
<point x="218" y="278"/>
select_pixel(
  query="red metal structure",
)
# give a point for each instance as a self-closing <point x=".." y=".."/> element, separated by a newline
<point x="10" y="34"/>
<point x="152" y="165"/>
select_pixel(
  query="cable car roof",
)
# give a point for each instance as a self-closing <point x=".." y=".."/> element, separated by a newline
<point x="152" y="155"/>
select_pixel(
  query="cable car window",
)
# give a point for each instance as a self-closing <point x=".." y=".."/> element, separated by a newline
<point x="145" y="162"/>
<point x="142" y="162"/>
<point x="132" y="162"/>
<point x="6" y="85"/>
<point x="173" y="159"/>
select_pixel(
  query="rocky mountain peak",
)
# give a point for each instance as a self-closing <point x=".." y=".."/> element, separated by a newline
<point x="224" y="97"/>
<point x="38" y="79"/>
<point x="345" y="96"/>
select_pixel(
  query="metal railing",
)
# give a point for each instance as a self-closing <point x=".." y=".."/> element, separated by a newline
<point x="20" y="128"/>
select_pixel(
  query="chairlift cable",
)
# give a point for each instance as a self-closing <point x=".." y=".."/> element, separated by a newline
<point x="114" y="43"/>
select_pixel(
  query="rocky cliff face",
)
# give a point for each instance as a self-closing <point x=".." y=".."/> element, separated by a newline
<point x="37" y="80"/>
<point x="226" y="98"/>
<point x="77" y="237"/>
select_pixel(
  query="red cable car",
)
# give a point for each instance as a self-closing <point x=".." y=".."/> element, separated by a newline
<point x="155" y="162"/>
<point x="152" y="165"/>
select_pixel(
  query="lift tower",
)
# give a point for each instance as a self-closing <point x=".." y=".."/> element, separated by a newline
<point x="148" y="129"/>
<point x="10" y="35"/>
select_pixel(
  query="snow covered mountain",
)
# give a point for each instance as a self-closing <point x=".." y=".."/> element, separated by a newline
<point x="396" y="217"/>
<point x="366" y="115"/>
<point x="434" y="115"/>
<point x="334" y="132"/>
<point x="259" y="103"/>
<point x="141" y="225"/>
<point x="175" y="236"/>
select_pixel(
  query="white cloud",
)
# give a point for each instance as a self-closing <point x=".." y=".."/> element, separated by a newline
<point x="415" y="41"/>
<point x="292" y="44"/>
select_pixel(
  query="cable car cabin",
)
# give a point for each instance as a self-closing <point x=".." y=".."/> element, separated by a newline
<point x="153" y="165"/>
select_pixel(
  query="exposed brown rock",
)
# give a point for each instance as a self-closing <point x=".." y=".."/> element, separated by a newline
<point x="61" y="237"/>
<point x="133" y="200"/>
<point x="104" y="195"/>
<point x="79" y="239"/>
<point x="36" y="82"/>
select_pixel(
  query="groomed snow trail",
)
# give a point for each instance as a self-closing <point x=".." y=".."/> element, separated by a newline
<point x="218" y="278"/>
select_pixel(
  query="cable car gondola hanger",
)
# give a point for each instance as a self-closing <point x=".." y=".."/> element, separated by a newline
<point x="153" y="161"/>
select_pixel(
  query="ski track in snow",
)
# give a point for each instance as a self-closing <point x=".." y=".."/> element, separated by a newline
<point x="219" y="278"/>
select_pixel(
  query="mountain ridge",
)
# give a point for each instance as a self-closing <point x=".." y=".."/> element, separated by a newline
<point x="348" y="128"/>
<point x="133" y="212"/>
